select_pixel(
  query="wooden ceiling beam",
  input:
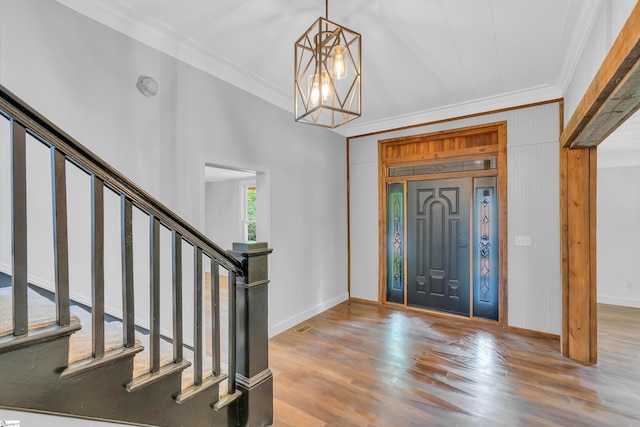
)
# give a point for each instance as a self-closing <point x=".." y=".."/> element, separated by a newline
<point x="614" y="93"/>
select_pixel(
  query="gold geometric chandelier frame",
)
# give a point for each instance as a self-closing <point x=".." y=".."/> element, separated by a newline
<point x="327" y="83"/>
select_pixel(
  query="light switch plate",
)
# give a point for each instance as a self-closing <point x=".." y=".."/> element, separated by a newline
<point x="523" y="240"/>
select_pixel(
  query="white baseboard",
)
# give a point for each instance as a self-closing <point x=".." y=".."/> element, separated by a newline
<point x="301" y="317"/>
<point x="625" y="302"/>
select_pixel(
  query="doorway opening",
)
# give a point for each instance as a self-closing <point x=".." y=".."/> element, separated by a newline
<point x="235" y="208"/>
<point x="618" y="230"/>
<point x="443" y="224"/>
<point x="236" y="202"/>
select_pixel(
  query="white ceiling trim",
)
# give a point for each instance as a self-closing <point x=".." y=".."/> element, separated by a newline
<point x="163" y="38"/>
<point x="499" y="102"/>
<point x="588" y="15"/>
<point x="215" y="174"/>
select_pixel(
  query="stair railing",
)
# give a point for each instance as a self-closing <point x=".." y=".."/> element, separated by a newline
<point x="25" y="120"/>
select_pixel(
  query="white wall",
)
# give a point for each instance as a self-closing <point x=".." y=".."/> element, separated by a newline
<point x="618" y="207"/>
<point x="533" y="210"/>
<point x="611" y="17"/>
<point x="82" y="75"/>
<point x="222" y="212"/>
<point x="5" y="192"/>
<point x="618" y="235"/>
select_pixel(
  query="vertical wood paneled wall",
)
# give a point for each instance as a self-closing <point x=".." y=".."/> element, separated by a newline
<point x="535" y="284"/>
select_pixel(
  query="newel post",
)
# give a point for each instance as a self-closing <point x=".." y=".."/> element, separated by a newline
<point x="253" y="376"/>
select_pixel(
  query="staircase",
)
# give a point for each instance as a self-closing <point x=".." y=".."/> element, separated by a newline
<point x="85" y="358"/>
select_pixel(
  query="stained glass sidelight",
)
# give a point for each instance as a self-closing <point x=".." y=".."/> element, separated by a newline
<point x="485" y="253"/>
<point x="395" y="243"/>
<point x="485" y="246"/>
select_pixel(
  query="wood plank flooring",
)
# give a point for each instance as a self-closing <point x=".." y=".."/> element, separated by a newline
<point x="368" y="365"/>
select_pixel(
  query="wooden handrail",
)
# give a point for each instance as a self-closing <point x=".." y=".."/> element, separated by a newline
<point x="90" y="162"/>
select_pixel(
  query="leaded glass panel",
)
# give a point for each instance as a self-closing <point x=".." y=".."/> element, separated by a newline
<point x="485" y="250"/>
<point x="395" y="243"/>
<point x="443" y="167"/>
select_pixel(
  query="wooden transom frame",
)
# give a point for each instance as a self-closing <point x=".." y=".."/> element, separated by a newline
<point x="475" y="142"/>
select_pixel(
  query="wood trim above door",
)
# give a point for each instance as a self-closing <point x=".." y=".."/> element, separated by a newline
<point x="458" y="144"/>
<point x="471" y="142"/>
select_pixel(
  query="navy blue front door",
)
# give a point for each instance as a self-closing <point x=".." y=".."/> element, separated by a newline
<point x="438" y="244"/>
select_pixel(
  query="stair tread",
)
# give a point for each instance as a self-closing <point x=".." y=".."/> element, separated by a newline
<point x="80" y="342"/>
<point x="141" y="361"/>
<point x="42" y="313"/>
<point x="108" y="358"/>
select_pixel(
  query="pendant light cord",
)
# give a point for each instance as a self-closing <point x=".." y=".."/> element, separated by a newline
<point x="326" y="8"/>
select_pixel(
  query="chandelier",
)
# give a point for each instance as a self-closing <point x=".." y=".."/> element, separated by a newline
<point x="327" y="90"/>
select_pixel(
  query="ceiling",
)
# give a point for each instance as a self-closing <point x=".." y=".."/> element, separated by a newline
<point x="422" y="59"/>
<point x="217" y="174"/>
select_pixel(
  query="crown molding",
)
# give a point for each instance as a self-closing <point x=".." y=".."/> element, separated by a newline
<point x="165" y="39"/>
<point x="499" y="102"/>
<point x="588" y="15"/>
<point x="121" y="17"/>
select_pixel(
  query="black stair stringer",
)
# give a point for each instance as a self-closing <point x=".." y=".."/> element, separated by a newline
<point x="31" y="380"/>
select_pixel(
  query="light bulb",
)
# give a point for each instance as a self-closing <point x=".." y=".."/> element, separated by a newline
<point x="327" y="93"/>
<point x="338" y="62"/>
<point x="314" y="90"/>
<point x="319" y="85"/>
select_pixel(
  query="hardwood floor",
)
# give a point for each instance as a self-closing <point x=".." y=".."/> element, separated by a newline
<point x="369" y="365"/>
